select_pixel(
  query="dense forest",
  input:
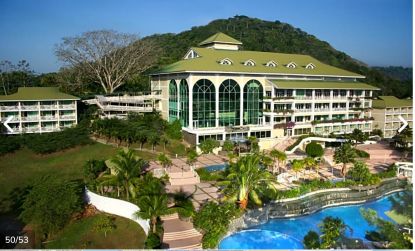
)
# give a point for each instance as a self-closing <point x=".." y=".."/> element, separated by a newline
<point x="255" y="34"/>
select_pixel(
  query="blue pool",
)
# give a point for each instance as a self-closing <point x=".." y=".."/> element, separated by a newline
<point x="214" y="168"/>
<point x="289" y="233"/>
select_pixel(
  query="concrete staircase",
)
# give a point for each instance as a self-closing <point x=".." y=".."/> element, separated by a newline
<point x="179" y="234"/>
<point x="183" y="178"/>
<point x="284" y="143"/>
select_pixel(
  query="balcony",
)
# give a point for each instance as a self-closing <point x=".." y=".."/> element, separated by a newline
<point x="9" y="108"/>
<point x="339" y="109"/>
<point x="29" y="107"/>
<point x="30" y="129"/>
<point x="340" y="97"/>
<point x="30" y="118"/>
<point x="67" y="107"/>
<point x="322" y="97"/>
<point x="48" y="118"/>
<point x="321" y="109"/>
<point x="14" y="119"/>
<point x="303" y="97"/>
<point x="67" y="117"/>
<point x="302" y="110"/>
<point x="49" y="128"/>
<point x="48" y="107"/>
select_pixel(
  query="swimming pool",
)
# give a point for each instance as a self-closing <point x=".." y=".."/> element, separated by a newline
<point x="289" y="233"/>
<point x="214" y="168"/>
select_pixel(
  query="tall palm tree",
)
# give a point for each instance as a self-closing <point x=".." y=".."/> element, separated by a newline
<point x="152" y="207"/>
<point x="345" y="154"/>
<point x="127" y="167"/>
<point x="247" y="180"/>
<point x="282" y="157"/>
<point x="274" y="155"/>
<point x="332" y="229"/>
<point x="310" y="163"/>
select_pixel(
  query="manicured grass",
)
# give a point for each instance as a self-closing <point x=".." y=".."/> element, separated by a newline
<point x="81" y="234"/>
<point x="398" y="218"/>
<point x="20" y="169"/>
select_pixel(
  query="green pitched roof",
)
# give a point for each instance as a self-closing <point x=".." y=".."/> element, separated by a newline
<point x="37" y="93"/>
<point x="221" y="38"/>
<point x="390" y="101"/>
<point x="298" y="84"/>
<point x="208" y="61"/>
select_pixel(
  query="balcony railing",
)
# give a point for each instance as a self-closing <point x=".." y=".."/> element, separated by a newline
<point x="67" y="107"/>
<point x="29" y="107"/>
<point x="322" y="97"/>
<point x="69" y="117"/>
<point x="14" y="119"/>
<point x="30" y="118"/>
<point x="48" y="107"/>
<point x="9" y="108"/>
<point x="48" y="118"/>
<point x="304" y="97"/>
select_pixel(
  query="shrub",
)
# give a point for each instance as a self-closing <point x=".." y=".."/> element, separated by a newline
<point x="9" y="144"/>
<point x="51" y="203"/>
<point x="93" y="168"/>
<point x="208" y="145"/>
<point x="174" y="130"/>
<point x="362" y="154"/>
<point x="57" y="141"/>
<point x="314" y="150"/>
<point x="378" y="132"/>
<point x="153" y="241"/>
<point x="228" y="146"/>
<point x="360" y="173"/>
<point x="205" y="175"/>
<point x="312" y="240"/>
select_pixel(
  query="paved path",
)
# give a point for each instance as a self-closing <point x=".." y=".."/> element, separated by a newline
<point x="180" y="234"/>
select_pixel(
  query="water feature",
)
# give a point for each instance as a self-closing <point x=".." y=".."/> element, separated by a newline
<point x="289" y="233"/>
<point x="214" y="168"/>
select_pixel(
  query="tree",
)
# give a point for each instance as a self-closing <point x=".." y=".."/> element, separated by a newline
<point x="314" y="150"/>
<point x="106" y="56"/>
<point x="141" y="136"/>
<point x="191" y="156"/>
<point x="153" y="139"/>
<point x="51" y="202"/>
<point x="310" y="163"/>
<point x="253" y="141"/>
<point x="390" y="231"/>
<point x="360" y="173"/>
<point x="174" y="130"/>
<point x="104" y="224"/>
<point x="311" y="240"/>
<point x="298" y="166"/>
<point x="332" y="229"/>
<point x="228" y="146"/>
<point x="345" y="154"/>
<point x="152" y="207"/>
<point x="358" y="136"/>
<point x="207" y="145"/>
<point x="127" y="168"/>
<point x="165" y="141"/>
<point x="247" y="181"/>
<point x="164" y="160"/>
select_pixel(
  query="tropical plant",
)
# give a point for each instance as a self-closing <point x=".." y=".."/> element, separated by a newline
<point x="141" y="136"/>
<point x="228" y="146"/>
<point x="314" y="150"/>
<point x="93" y="168"/>
<point x="174" y="130"/>
<point x="104" y="224"/>
<point x="50" y="204"/>
<point x="344" y="154"/>
<point x="183" y="205"/>
<point x="191" y="156"/>
<point x="297" y="166"/>
<point x="310" y="163"/>
<point x="358" y="136"/>
<point x="165" y="141"/>
<point x="153" y="139"/>
<point x="389" y="231"/>
<point x="281" y="157"/>
<point x="164" y="160"/>
<point x="253" y="142"/>
<point x="152" y="207"/>
<point x="311" y="240"/>
<point x="207" y="145"/>
<point x="127" y="168"/>
<point x="360" y="173"/>
<point x="150" y="185"/>
<point x="332" y="229"/>
<point x="247" y="181"/>
<point x="266" y="161"/>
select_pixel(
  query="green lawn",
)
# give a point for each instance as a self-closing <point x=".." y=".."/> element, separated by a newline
<point x="20" y="169"/>
<point x="81" y="235"/>
<point x="398" y="218"/>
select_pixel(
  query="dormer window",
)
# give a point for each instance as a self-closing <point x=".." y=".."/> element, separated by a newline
<point x="249" y="62"/>
<point x="191" y="54"/>
<point x="225" y="61"/>
<point x="310" y="66"/>
<point x="292" y="65"/>
<point x="271" y="64"/>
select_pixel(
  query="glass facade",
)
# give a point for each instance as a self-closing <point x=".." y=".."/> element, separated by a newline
<point x="229" y="103"/>
<point x="184" y="102"/>
<point x="253" y="98"/>
<point x="173" y="101"/>
<point x="204" y="104"/>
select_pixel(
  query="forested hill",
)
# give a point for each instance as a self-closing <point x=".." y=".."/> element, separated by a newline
<point x="260" y="35"/>
<point x="396" y="72"/>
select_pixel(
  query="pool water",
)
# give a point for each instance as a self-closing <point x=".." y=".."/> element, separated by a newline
<point x="289" y="233"/>
<point x="214" y="168"/>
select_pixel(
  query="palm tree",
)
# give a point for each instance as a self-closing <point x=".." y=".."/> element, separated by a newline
<point x="274" y="153"/>
<point x="310" y="162"/>
<point x="247" y="180"/>
<point x="165" y="141"/>
<point x="332" y="229"/>
<point x="345" y="154"/>
<point x="127" y="167"/>
<point x="297" y="166"/>
<point x="280" y="156"/>
<point x="266" y="161"/>
<point x="141" y="136"/>
<point x="152" y="207"/>
<point x="191" y="157"/>
<point x="164" y="160"/>
<point x="153" y="139"/>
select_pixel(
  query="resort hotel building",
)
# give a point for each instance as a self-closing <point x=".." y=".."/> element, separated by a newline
<point x="386" y="111"/>
<point x="219" y="91"/>
<point x="37" y="110"/>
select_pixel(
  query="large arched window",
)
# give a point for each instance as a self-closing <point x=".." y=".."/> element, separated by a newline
<point x="173" y="104"/>
<point x="229" y="103"/>
<point x="184" y="103"/>
<point x="204" y="103"/>
<point x="253" y="97"/>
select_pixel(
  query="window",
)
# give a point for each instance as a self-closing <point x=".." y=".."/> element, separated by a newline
<point x="184" y="103"/>
<point x="229" y="103"/>
<point x="225" y="61"/>
<point x="204" y="103"/>
<point x="173" y="101"/>
<point x="271" y="64"/>
<point x="310" y="66"/>
<point x="261" y="134"/>
<point x="292" y="65"/>
<point x="253" y="98"/>
<point x="191" y="54"/>
<point x="249" y="62"/>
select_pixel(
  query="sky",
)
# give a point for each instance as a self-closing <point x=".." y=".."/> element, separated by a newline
<point x="377" y="32"/>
